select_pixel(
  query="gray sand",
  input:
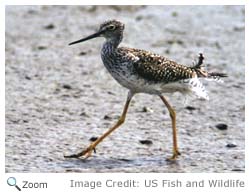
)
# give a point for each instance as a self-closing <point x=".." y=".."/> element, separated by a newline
<point x="59" y="96"/>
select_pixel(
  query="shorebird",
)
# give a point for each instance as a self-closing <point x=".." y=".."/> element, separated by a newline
<point x="141" y="71"/>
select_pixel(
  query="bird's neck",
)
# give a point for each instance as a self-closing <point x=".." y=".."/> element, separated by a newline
<point x="111" y="44"/>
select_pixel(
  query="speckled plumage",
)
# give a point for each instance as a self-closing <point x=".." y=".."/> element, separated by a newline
<point x="143" y="71"/>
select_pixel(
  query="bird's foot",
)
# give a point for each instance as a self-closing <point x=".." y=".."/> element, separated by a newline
<point x="176" y="153"/>
<point x="86" y="153"/>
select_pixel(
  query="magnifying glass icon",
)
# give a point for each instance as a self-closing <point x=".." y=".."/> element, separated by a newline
<point x="12" y="182"/>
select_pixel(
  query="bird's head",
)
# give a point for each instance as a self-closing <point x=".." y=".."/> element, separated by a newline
<point x="111" y="29"/>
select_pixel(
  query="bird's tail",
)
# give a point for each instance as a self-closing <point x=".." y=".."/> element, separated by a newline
<point x="215" y="76"/>
<point x="196" y="85"/>
<point x="202" y="73"/>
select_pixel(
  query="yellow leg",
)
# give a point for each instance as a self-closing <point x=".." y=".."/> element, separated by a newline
<point x="88" y="151"/>
<point x="173" y="120"/>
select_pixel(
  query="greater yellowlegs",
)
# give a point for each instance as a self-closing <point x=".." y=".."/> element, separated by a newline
<point x="141" y="71"/>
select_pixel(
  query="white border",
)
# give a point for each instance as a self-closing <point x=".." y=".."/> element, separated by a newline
<point x="59" y="183"/>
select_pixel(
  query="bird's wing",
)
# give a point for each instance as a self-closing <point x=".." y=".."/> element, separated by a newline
<point x="156" y="68"/>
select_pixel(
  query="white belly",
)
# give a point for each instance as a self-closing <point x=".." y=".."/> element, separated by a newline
<point x="139" y="85"/>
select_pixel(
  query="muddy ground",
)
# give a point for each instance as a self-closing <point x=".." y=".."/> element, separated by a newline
<point x="59" y="96"/>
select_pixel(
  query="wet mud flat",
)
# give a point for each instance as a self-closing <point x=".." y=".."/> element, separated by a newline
<point x="59" y="97"/>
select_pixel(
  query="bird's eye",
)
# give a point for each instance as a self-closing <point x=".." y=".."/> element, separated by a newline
<point x="111" y="27"/>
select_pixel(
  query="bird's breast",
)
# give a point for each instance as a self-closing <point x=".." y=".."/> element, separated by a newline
<point x="120" y="72"/>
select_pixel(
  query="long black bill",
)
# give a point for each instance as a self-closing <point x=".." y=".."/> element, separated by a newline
<point x="86" y="38"/>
